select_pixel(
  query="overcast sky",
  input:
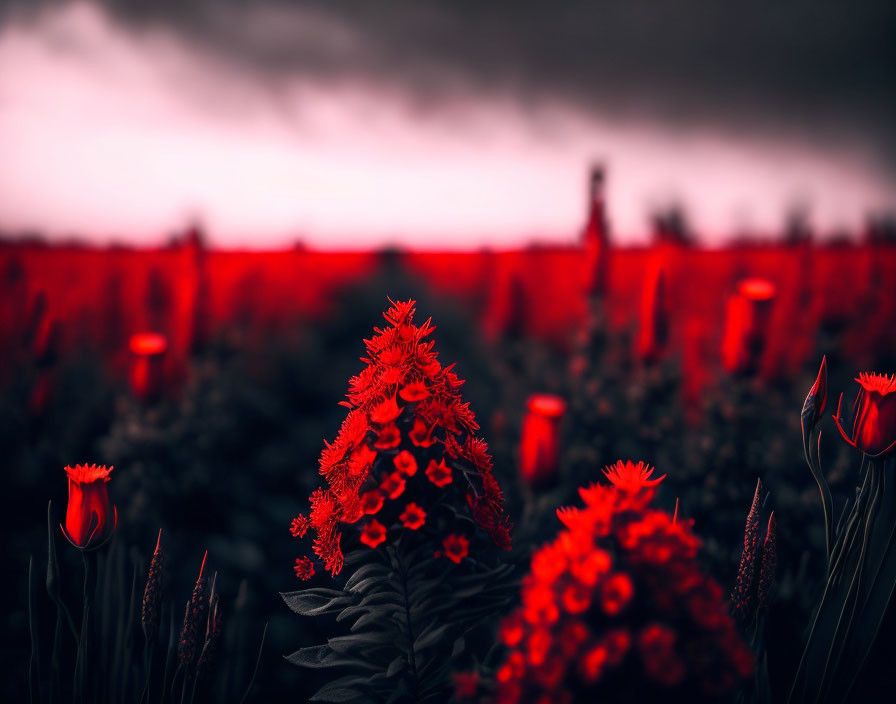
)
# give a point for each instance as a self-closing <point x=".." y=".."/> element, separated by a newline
<point x="451" y="123"/>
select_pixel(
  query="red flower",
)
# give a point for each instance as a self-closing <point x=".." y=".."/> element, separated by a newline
<point x="372" y="501"/>
<point x="385" y="412"/>
<point x="572" y="629"/>
<point x="299" y="526"/>
<point x="540" y="441"/>
<point x="393" y="485"/>
<point x="631" y="477"/>
<point x="304" y="568"/>
<point x="439" y="474"/>
<point x="373" y="534"/>
<point x="90" y="519"/>
<point x="405" y="463"/>
<point x="457" y="547"/>
<point x="874" y="415"/>
<point x="388" y="438"/>
<point x="746" y="325"/>
<point x="404" y="393"/>
<point x="421" y="434"/>
<point x="414" y="392"/>
<point x="654" y="332"/>
<point x="413" y="517"/>
<point x="148" y="364"/>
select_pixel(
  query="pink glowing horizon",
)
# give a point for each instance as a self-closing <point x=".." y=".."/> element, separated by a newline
<point x="115" y="134"/>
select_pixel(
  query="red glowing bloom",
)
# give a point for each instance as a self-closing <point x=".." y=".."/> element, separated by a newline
<point x="439" y="473"/>
<point x="413" y="517"/>
<point x="457" y="547"/>
<point x="747" y="317"/>
<point x="540" y="439"/>
<point x="148" y="344"/>
<point x="631" y="477"/>
<point x="414" y="392"/>
<point x="616" y="592"/>
<point x="573" y="627"/>
<point x="389" y="437"/>
<point x="373" y="534"/>
<point x="405" y="463"/>
<point x="304" y="568"/>
<point x="148" y="365"/>
<point x="385" y="412"/>
<point x="90" y="518"/>
<point x="874" y="415"/>
<point x="421" y="434"/>
<point x="393" y="485"/>
<point x="299" y="526"/>
<point x="403" y="393"/>
<point x="372" y="501"/>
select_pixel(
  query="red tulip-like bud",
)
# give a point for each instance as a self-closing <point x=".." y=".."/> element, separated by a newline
<point x="91" y="518"/>
<point x="148" y="365"/>
<point x="818" y="396"/>
<point x="746" y="325"/>
<point x="874" y="415"/>
<point x="654" y="332"/>
<point x="540" y="443"/>
<point x="596" y="239"/>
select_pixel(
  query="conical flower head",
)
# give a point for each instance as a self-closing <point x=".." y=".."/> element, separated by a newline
<point x="407" y="447"/>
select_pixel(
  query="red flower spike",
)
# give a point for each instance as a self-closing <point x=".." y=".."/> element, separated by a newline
<point x="372" y="501"/>
<point x="573" y="627"/>
<point x="373" y="534"/>
<point x="389" y="437"/>
<point x="413" y="517"/>
<point x="457" y="547"/>
<point x="817" y="398"/>
<point x="405" y="463"/>
<point x="874" y="415"/>
<point x="304" y="568"/>
<point x="393" y="485"/>
<point x="439" y="474"/>
<point x="90" y="518"/>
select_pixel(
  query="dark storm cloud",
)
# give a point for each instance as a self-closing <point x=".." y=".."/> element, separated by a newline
<point x="817" y="69"/>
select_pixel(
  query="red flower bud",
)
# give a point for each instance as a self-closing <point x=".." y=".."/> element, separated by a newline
<point x="746" y="325"/>
<point x="817" y="398"/>
<point x="540" y="442"/>
<point x="91" y="518"/>
<point x="874" y="415"/>
<point x="654" y="332"/>
<point x="148" y="365"/>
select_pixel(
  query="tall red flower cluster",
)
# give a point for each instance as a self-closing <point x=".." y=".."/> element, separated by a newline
<point x="618" y="600"/>
<point x="407" y="448"/>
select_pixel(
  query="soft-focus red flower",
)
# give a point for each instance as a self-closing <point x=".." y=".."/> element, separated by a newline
<point x="654" y="332"/>
<point x="413" y="517"/>
<point x="299" y="526"/>
<point x="90" y="518"/>
<point x="304" y="568"/>
<point x="388" y="438"/>
<point x="631" y="477"/>
<point x="540" y="438"/>
<point x="457" y="547"/>
<point x="405" y="463"/>
<point x="439" y="473"/>
<point x="372" y="501"/>
<point x="393" y="485"/>
<point x="747" y="315"/>
<point x="148" y="364"/>
<point x="403" y="400"/>
<point x="373" y="534"/>
<point x="874" y="415"/>
<point x="573" y="627"/>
